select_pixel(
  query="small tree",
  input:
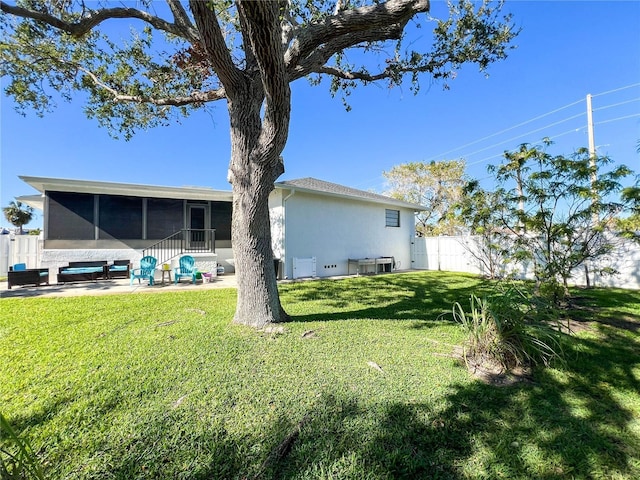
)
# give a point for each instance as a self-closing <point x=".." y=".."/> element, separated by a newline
<point x="557" y="210"/>
<point x="629" y="227"/>
<point x="18" y="214"/>
<point x="437" y="185"/>
<point x="480" y="211"/>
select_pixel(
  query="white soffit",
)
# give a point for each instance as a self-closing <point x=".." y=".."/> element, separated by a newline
<point x="34" y="201"/>
<point x="43" y="184"/>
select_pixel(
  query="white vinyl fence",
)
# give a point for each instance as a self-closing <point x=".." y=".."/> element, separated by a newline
<point x="19" y="249"/>
<point x="461" y="254"/>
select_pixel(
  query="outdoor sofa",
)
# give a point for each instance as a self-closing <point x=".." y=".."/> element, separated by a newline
<point x="31" y="276"/>
<point x="94" y="270"/>
<point x="82" y="271"/>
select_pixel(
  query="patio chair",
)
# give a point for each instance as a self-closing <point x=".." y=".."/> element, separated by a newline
<point x="187" y="268"/>
<point x="147" y="270"/>
<point x="19" y="274"/>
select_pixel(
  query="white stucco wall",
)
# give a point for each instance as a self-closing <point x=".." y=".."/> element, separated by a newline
<point x="276" y="216"/>
<point x="335" y="229"/>
<point x="225" y="259"/>
<point x="55" y="258"/>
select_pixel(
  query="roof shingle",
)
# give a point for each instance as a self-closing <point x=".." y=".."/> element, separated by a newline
<point x="314" y="185"/>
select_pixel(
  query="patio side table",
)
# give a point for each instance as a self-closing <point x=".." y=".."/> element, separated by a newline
<point x="168" y="273"/>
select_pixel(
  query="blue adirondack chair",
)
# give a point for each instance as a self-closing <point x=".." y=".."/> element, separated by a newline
<point x="187" y="268"/>
<point x="147" y="270"/>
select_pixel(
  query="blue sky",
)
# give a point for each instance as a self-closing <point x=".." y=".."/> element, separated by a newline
<point x="566" y="50"/>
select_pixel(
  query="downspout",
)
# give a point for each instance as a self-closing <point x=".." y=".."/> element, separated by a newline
<point x="284" y="231"/>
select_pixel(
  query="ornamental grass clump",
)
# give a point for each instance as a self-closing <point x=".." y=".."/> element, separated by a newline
<point x="509" y="330"/>
<point x="17" y="459"/>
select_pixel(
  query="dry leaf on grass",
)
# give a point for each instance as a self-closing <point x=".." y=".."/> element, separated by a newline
<point x="376" y="366"/>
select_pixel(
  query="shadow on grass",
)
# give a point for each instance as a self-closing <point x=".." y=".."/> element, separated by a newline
<point x="568" y="423"/>
<point x="599" y="304"/>
<point x="39" y="415"/>
<point x="221" y="450"/>
<point x="573" y="422"/>
<point x="412" y="296"/>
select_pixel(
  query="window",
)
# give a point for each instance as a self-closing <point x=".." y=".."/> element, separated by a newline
<point x="392" y="218"/>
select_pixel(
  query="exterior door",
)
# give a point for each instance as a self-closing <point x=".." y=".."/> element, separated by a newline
<point x="197" y="223"/>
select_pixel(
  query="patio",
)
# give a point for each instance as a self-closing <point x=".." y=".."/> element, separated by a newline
<point x="112" y="286"/>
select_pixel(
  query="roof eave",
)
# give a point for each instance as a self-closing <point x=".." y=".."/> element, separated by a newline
<point x="34" y="201"/>
<point x="43" y="184"/>
<point x="390" y="201"/>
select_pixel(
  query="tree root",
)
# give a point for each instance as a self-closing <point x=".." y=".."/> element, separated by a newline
<point x="283" y="448"/>
<point x="284" y="316"/>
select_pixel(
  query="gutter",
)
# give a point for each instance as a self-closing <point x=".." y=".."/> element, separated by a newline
<point x="284" y="231"/>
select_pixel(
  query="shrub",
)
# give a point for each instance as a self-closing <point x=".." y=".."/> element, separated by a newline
<point x="509" y="329"/>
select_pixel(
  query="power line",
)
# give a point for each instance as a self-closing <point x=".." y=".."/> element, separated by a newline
<point x="616" y="90"/>
<point x="527" y="133"/>
<point x="542" y="128"/>
<point x="616" y="104"/>
<point x="567" y="132"/>
<point x="573" y="130"/>
<point x="504" y="131"/>
<point x="619" y="118"/>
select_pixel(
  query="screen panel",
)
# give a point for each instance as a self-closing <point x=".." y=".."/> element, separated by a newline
<point x="221" y="219"/>
<point x="71" y="216"/>
<point x="164" y="217"/>
<point x="120" y="217"/>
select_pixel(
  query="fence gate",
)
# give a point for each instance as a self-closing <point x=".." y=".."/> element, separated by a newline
<point x="19" y="249"/>
<point x="419" y="258"/>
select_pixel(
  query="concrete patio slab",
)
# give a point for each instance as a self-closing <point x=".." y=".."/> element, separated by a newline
<point x="114" y="286"/>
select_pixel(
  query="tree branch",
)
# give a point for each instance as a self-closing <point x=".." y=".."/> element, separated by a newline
<point x="262" y="19"/>
<point x="355" y="25"/>
<point x="346" y="75"/>
<point x="178" y="101"/>
<point x="194" y="98"/>
<point x="182" y="19"/>
<point x="95" y="18"/>
<point x="265" y="36"/>
<point x="315" y="63"/>
<point x="214" y="43"/>
<point x="289" y="28"/>
<point x="250" y="60"/>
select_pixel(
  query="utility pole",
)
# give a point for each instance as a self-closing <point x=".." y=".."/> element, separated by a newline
<point x="595" y="217"/>
<point x="592" y="141"/>
<point x="592" y="156"/>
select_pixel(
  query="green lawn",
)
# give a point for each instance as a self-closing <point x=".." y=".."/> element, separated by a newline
<point x="164" y="386"/>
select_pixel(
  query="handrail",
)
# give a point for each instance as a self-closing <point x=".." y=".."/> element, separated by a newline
<point x="183" y="241"/>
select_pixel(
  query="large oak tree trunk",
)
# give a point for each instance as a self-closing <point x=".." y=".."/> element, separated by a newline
<point x="252" y="172"/>
<point x="259" y="104"/>
<point x="258" y="299"/>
